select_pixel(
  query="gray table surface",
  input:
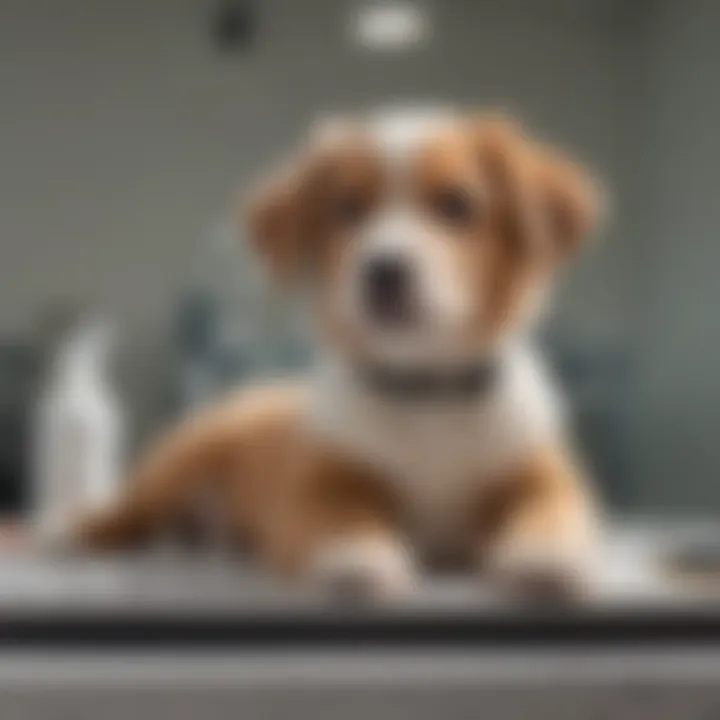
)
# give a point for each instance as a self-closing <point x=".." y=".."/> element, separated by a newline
<point x="630" y="572"/>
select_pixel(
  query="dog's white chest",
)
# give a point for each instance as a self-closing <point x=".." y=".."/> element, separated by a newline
<point x="433" y="460"/>
<point x="437" y="456"/>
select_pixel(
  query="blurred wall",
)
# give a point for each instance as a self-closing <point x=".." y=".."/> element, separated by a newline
<point x="677" y="256"/>
<point x="124" y="135"/>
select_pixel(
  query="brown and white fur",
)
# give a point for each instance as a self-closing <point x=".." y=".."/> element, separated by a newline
<point x="328" y="478"/>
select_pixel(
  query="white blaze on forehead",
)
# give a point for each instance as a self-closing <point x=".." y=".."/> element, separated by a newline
<point x="401" y="131"/>
<point x="399" y="134"/>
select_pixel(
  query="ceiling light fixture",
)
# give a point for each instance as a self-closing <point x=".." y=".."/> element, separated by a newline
<point x="393" y="25"/>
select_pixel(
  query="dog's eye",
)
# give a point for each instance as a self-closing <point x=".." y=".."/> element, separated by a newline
<point x="455" y="206"/>
<point x="349" y="208"/>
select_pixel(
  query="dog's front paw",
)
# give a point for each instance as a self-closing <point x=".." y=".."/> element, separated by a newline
<point x="360" y="568"/>
<point x="540" y="569"/>
<point x="55" y="534"/>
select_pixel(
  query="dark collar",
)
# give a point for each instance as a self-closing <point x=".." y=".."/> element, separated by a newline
<point x="466" y="382"/>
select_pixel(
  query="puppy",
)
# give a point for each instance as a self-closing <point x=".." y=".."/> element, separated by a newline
<point x="427" y="246"/>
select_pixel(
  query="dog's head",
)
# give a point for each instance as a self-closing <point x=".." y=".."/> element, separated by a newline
<point x="424" y="238"/>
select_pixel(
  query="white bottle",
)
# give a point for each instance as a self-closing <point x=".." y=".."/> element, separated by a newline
<point x="78" y="434"/>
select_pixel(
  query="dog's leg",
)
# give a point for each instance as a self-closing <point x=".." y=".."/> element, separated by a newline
<point x="538" y="527"/>
<point x="339" y="527"/>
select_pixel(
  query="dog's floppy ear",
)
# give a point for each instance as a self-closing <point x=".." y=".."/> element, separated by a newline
<point x="506" y="161"/>
<point x="548" y="200"/>
<point x="282" y="213"/>
<point x="277" y="218"/>
<point x="571" y="201"/>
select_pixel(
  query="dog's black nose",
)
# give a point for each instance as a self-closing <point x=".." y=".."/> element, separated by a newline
<point x="387" y="288"/>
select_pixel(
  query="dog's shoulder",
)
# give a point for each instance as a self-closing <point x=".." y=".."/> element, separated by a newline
<point x="260" y="411"/>
<point x="264" y="406"/>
